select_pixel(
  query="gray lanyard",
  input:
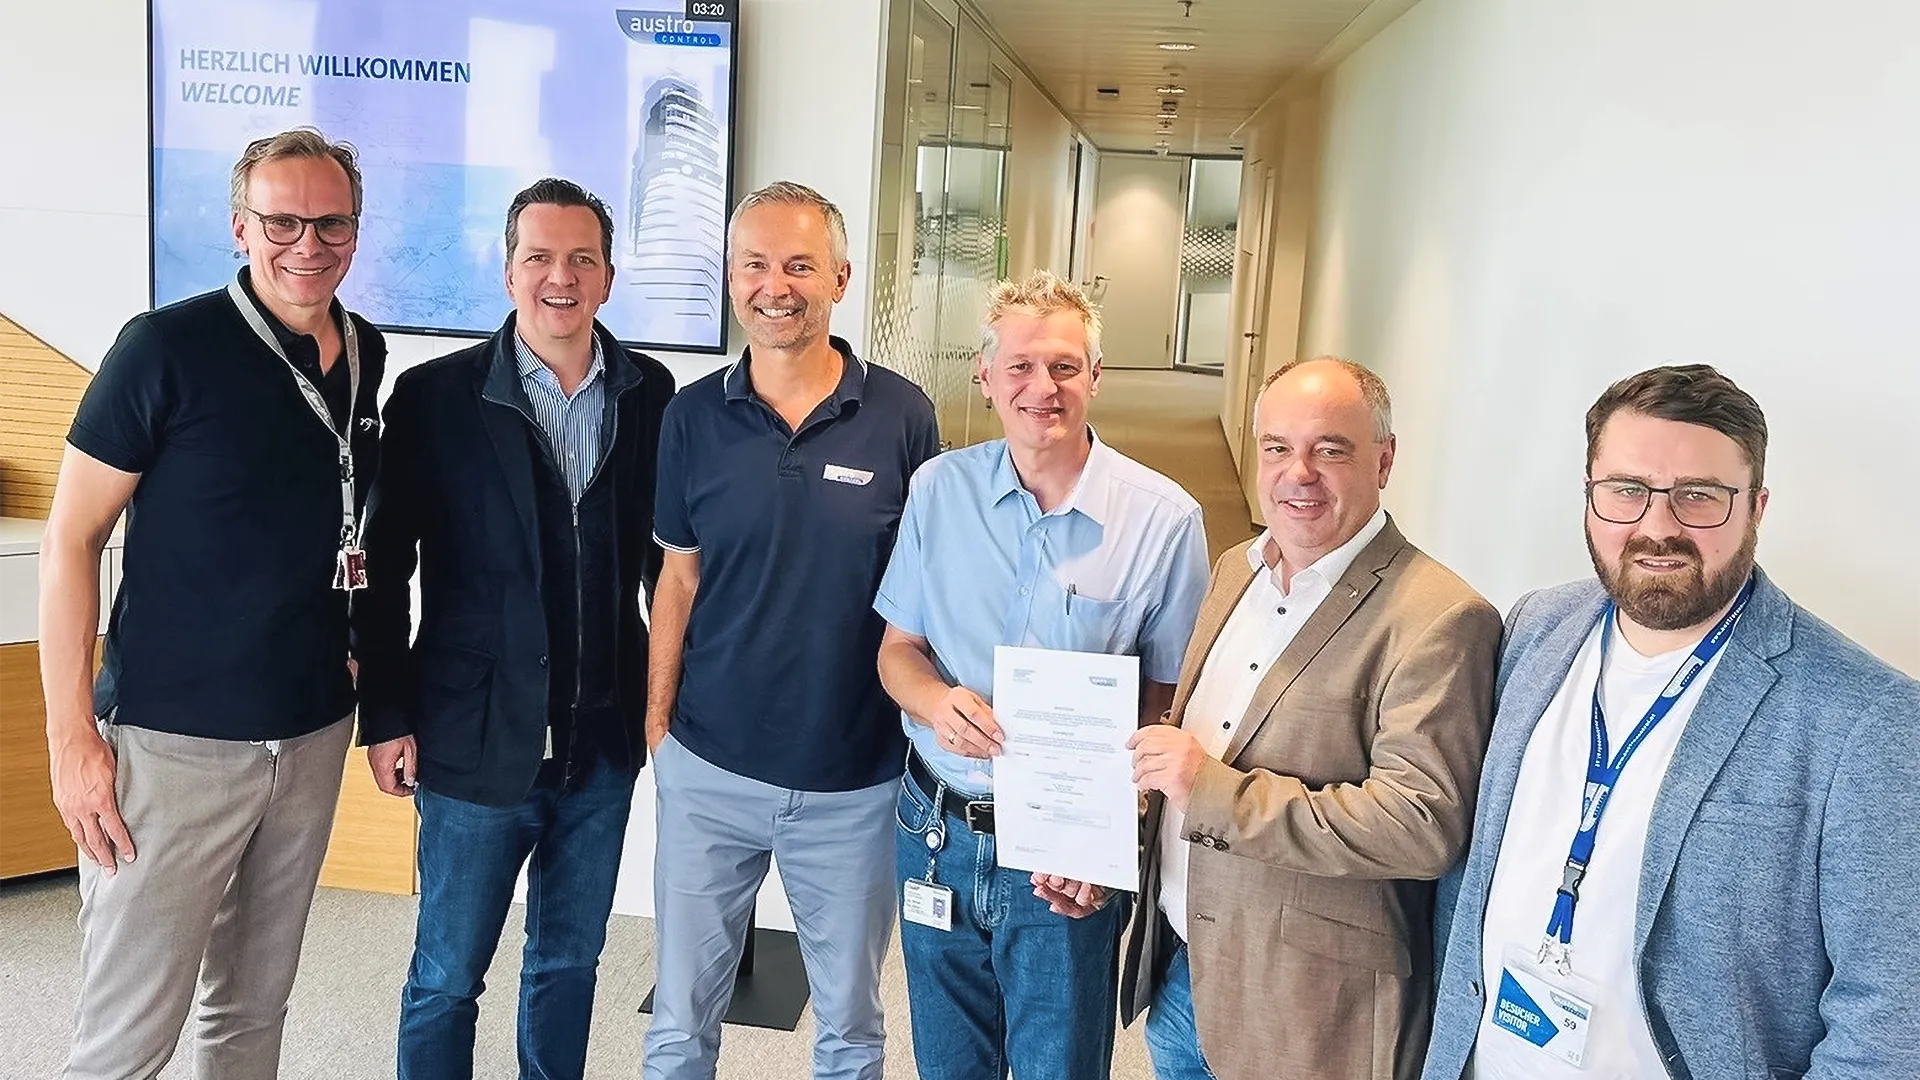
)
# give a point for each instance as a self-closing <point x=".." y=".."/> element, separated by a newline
<point x="351" y="571"/>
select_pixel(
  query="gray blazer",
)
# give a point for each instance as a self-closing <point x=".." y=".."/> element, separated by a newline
<point x="1776" y="934"/>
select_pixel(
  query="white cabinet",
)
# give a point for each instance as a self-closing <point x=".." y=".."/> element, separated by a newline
<point x="20" y="579"/>
<point x="19" y="596"/>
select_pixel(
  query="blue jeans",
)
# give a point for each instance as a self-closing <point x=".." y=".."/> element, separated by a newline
<point x="569" y="834"/>
<point x="1173" y="1039"/>
<point x="1012" y="985"/>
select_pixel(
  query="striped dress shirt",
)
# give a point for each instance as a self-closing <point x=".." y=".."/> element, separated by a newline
<point x="571" y="424"/>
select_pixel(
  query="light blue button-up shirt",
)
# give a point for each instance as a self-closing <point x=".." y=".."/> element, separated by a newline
<point x="571" y="424"/>
<point x="1119" y="567"/>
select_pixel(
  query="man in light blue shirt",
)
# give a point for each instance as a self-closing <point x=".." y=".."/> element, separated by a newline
<point x="1052" y="539"/>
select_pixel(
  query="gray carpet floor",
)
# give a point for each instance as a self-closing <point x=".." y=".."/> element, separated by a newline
<point x="346" y="1003"/>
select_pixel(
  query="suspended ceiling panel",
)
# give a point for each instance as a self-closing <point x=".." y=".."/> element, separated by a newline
<point x="1243" y="51"/>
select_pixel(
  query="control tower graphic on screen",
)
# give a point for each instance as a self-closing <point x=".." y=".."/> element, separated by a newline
<point x="677" y="217"/>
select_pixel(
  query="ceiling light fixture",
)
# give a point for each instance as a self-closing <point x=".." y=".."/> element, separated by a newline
<point x="1178" y="46"/>
<point x="1170" y="89"/>
<point x="964" y="107"/>
<point x="1167" y="115"/>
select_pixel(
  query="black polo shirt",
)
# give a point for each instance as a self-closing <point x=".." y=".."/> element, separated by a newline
<point x="226" y="624"/>
<point x="793" y="530"/>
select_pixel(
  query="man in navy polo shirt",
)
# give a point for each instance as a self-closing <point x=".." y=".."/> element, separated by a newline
<point x="238" y="431"/>
<point x="781" y="482"/>
<point x="1052" y="539"/>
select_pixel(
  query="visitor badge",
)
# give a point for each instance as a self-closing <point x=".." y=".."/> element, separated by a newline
<point x="928" y="905"/>
<point x="1549" y="1011"/>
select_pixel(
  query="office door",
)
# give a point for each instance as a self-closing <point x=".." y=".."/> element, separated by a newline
<point x="1138" y="217"/>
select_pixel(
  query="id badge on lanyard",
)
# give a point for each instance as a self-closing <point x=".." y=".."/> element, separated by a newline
<point x="350" y="563"/>
<point x="928" y="903"/>
<point x="1552" y="1010"/>
<point x="1540" y="999"/>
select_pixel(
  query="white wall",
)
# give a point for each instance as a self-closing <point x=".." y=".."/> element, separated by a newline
<point x="73" y="176"/>
<point x="1086" y="192"/>
<point x="1521" y="202"/>
<point x="1039" y="183"/>
<point x="73" y="197"/>
<point x="1275" y="228"/>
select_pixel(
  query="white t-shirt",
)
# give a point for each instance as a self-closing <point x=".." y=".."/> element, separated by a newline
<point x="1533" y="852"/>
<point x="1260" y="628"/>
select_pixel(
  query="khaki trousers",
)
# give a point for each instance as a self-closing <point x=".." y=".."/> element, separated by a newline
<point x="229" y="838"/>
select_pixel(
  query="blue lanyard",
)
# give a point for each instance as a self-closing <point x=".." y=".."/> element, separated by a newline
<point x="1603" y="772"/>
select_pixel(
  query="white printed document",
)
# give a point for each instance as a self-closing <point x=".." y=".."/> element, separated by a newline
<point x="1063" y="794"/>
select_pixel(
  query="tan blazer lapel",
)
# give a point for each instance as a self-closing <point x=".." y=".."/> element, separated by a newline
<point x="1352" y="590"/>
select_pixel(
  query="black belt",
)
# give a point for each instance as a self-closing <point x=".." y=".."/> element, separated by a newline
<point x="975" y="810"/>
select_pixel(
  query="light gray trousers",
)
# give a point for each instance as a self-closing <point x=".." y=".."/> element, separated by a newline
<point x="229" y="838"/>
<point x="717" y="831"/>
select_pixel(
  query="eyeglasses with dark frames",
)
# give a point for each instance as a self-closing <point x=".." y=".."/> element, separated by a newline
<point x="332" y="229"/>
<point x="1697" y="505"/>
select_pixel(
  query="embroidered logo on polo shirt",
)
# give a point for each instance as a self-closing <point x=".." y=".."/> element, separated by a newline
<point x="840" y="474"/>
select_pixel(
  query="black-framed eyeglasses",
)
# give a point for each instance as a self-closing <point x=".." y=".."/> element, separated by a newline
<point x="332" y="229"/>
<point x="1696" y="505"/>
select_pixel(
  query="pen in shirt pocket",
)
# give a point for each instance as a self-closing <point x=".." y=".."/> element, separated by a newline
<point x="1070" y="597"/>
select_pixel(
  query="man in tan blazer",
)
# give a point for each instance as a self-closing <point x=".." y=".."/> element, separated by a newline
<point x="1316" y="772"/>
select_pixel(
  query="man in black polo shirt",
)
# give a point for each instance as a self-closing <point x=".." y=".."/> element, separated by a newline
<point x="521" y="471"/>
<point x="237" y="429"/>
<point x="781" y="484"/>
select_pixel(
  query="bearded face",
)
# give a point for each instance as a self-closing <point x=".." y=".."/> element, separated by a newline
<point x="1667" y="584"/>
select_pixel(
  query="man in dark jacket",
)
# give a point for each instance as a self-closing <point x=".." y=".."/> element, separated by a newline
<point x="523" y="471"/>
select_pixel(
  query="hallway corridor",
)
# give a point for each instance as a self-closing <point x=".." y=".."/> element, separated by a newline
<point x="1169" y="421"/>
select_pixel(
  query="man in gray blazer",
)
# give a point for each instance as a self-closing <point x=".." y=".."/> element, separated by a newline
<point x="1697" y="816"/>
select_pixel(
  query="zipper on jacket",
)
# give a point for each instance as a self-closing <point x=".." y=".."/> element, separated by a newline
<point x="580" y="584"/>
<point x="579" y="577"/>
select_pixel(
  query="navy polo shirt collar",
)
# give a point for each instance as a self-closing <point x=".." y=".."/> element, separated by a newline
<point x="853" y="376"/>
<point x="1090" y="495"/>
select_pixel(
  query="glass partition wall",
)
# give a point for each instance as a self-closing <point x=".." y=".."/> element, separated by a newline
<point x="1206" y="265"/>
<point x="950" y="245"/>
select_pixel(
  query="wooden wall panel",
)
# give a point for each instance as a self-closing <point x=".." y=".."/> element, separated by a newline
<point x="33" y="839"/>
<point x="373" y="836"/>
<point x="39" y="390"/>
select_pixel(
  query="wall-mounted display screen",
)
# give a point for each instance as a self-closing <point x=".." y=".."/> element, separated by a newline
<point x="454" y="106"/>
